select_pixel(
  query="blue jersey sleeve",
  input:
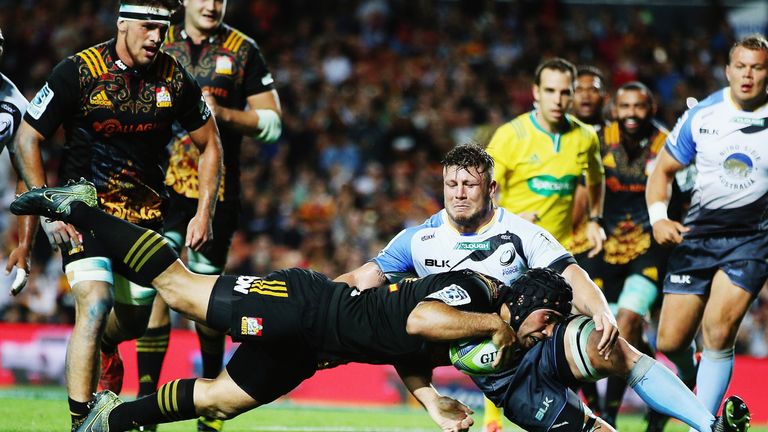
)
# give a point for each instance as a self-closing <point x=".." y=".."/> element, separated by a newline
<point x="680" y="143"/>
<point x="397" y="256"/>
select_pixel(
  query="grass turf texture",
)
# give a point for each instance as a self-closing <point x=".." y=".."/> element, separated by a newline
<point x="41" y="410"/>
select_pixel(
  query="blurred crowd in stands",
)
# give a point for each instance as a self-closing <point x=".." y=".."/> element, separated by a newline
<point x="373" y="94"/>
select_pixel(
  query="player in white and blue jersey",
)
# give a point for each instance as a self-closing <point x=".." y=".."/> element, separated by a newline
<point x="471" y="233"/>
<point x="719" y="264"/>
<point x="13" y="105"/>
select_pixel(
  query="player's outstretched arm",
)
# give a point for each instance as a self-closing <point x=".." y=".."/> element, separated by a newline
<point x="438" y="322"/>
<point x="449" y="414"/>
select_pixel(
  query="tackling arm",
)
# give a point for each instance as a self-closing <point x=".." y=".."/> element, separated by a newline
<point x="366" y="276"/>
<point x="210" y="165"/>
<point x="589" y="300"/>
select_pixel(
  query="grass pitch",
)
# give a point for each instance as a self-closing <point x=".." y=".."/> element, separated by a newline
<point x="44" y="410"/>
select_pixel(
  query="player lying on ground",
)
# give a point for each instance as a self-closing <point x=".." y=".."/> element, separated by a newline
<point x="294" y="322"/>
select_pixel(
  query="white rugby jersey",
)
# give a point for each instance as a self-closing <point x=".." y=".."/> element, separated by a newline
<point x="504" y="248"/>
<point x="730" y="148"/>
<point x="12" y="108"/>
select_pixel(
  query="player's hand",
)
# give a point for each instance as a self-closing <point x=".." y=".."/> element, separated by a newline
<point x="606" y="323"/>
<point x="506" y="341"/>
<point x="596" y="236"/>
<point x="531" y="217"/>
<point x="451" y="415"/>
<point x="668" y="232"/>
<point x="18" y="258"/>
<point x="60" y="234"/>
<point x="199" y="232"/>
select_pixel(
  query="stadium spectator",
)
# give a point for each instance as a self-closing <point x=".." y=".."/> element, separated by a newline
<point x="718" y="266"/>
<point x="117" y="101"/>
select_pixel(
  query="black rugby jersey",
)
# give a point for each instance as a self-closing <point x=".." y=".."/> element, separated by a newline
<point x="118" y="122"/>
<point x="229" y="66"/>
<point x="369" y="326"/>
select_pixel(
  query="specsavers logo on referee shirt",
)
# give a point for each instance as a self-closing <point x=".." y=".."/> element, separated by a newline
<point x="547" y="185"/>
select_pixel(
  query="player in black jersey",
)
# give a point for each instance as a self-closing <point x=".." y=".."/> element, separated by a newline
<point x="117" y="101"/>
<point x="239" y="88"/>
<point x="294" y="322"/>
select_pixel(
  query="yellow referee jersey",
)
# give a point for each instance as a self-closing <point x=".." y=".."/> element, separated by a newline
<point x="538" y="171"/>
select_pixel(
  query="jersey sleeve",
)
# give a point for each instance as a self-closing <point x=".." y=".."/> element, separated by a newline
<point x="257" y="77"/>
<point x="680" y="143"/>
<point x="541" y="249"/>
<point x="10" y="119"/>
<point x="396" y="258"/>
<point x="193" y="111"/>
<point x="595" y="171"/>
<point x="56" y="101"/>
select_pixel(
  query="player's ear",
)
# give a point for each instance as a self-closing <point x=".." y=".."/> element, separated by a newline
<point x="122" y="26"/>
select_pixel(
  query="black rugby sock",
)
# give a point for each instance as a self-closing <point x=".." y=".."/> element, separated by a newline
<point x="592" y="397"/>
<point x="614" y="394"/>
<point x="78" y="411"/>
<point x="150" y="353"/>
<point x="174" y="401"/>
<point x="211" y="349"/>
<point x="142" y="253"/>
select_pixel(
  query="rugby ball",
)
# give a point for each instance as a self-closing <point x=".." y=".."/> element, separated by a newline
<point x="473" y="356"/>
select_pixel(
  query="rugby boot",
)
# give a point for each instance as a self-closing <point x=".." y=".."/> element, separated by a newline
<point x="112" y="372"/>
<point x="734" y="418"/>
<point x="98" y="418"/>
<point x="55" y="202"/>
<point x="207" y="424"/>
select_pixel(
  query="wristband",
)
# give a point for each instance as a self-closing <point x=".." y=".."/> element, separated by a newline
<point x="597" y="219"/>
<point x="657" y="211"/>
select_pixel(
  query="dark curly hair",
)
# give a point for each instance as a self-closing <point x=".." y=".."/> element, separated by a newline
<point x="470" y="155"/>
<point x="538" y="288"/>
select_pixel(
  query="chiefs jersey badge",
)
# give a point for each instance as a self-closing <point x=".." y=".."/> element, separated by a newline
<point x="224" y="65"/>
<point x="163" y="97"/>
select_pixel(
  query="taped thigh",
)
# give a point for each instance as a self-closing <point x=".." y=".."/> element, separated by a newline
<point x="638" y="295"/>
<point x="579" y="330"/>
<point x="89" y="269"/>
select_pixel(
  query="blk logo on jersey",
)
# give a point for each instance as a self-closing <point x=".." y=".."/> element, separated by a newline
<point x="251" y="326"/>
<point x="431" y="262"/>
<point x="452" y="295"/>
<point x="680" y="279"/>
<point x="545" y="404"/>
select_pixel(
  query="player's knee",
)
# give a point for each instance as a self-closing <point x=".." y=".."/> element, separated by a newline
<point x="719" y="336"/>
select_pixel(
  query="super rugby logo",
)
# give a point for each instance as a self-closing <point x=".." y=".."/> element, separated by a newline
<point x="452" y="295"/>
<point x="112" y="126"/>
<point x="40" y="102"/>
